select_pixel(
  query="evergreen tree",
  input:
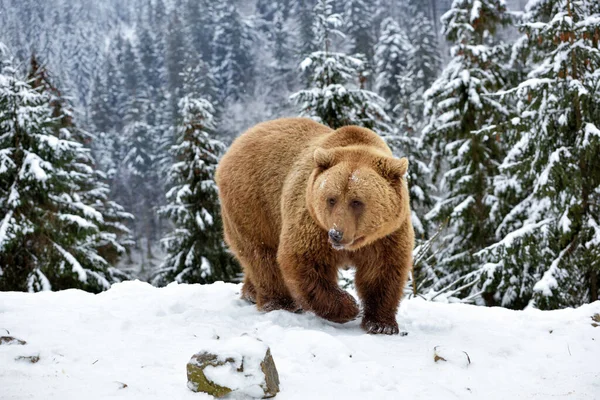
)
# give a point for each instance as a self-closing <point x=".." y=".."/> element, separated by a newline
<point x="391" y="55"/>
<point x="152" y="62"/>
<point x="107" y="102"/>
<point x="334" y="99"/>
<point x="305" y="36"/>
<point x="195" y="249"/>
<point x="112" y="237"/>
<point x="131" y="72"/>
<point x="232" y="61"/>
<point x="282" y="52"/>
<point x="548" y="250"/>
<point x="281" y="78"/>
<point x="159" y="15"/>
<point x="141" y="186"/>
<point x="359" y="17"/>
<point x="423" y="59"/>
<point x="460" y="110"/>
<point x="200" y="25"/>
<point x="49" y="236"/>
<point x="175" y="59"/>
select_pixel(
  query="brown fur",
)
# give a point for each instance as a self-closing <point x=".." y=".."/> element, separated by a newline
<point x="283" y="185"/>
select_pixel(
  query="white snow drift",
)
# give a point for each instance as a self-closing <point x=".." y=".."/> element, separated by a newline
<point x="133" y="342"/>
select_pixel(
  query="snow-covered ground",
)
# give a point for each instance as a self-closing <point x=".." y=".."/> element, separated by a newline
<point x="91" y="346"/>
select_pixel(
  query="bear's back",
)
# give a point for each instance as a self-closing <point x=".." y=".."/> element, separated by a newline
<point x="251" y="174"/>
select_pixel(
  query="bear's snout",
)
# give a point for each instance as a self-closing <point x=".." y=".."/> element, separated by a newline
<point x="336" y="236"/>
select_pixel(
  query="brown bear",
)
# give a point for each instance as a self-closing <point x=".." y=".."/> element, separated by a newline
<point x="299" y="200"/>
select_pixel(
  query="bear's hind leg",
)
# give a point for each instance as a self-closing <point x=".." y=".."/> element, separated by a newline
<point x="266" y="280"/>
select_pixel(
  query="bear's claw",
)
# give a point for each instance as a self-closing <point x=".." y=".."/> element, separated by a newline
<point x="385" y="328"/>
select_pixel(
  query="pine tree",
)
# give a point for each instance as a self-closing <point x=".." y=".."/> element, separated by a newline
<point x="391" y="55"/>
<point x="141" y="184"/>
<point x="282" y="53"/>
<point x="460" y="111"/>
<point x="49" y="236"/>
<point x="305" y="36"/>
<point x="359" y="17"/>
<point x="130" y="72"/>
<point x="548" y="249"/>
<point x="337" y="97"/>
<point x="232" y="62"/>
<point x="195" y="249"/>
<point x="108" y="99"/>
<point x="152" y="62"/>
<point x="199" y="23"/>
<point x="112" y="237"/>
<point x="423" y="61"/>
<point x="175" y="59"/>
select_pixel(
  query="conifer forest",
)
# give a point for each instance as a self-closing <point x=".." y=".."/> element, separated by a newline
<point x="114" y="115"/>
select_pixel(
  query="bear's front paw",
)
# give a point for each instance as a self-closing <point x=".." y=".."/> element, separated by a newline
<point x="375" y="327"/>
<point x="344" y="308"/>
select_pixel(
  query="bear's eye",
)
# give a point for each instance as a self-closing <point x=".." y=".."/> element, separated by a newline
<point x="356" y="204"/>
<point x="331" y="201"/>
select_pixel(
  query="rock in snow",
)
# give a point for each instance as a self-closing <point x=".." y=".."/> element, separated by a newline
<point x="144" y="336"/>
<point x="243" y="365"/>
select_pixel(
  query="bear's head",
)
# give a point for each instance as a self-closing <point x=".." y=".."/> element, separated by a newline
<point x="358" y="194"/>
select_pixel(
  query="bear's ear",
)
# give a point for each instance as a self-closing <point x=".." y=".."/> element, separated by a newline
<point x="324" y="158"/>
<point x="394" y="169"/>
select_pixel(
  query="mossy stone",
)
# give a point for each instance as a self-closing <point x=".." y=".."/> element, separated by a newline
<point x="197" y="381"/>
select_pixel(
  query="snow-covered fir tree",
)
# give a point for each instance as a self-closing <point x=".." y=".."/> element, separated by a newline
<point x="460" y="111"/>
<point x="232" y="61"/>
<point x="282" y="67"/>
<point x="359" y="27"/>
<point x="175" y="59"/>
<point x="305" y="35"/>
<point x="112" y="237"/>
<point x="49" y="232"/>
<point x="335" y="96"/>
<point x="423" y="61"/>
<point x="200" y="22"/>
<point x="391" y="54"/>
<point x="140" y="165"/>
<point x="547" y="253"/>
<point x="195" y="249"/>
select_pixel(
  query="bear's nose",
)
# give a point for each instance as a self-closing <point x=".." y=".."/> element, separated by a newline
<point x="335" y="235"/>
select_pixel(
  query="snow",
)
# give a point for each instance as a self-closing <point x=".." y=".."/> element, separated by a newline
<point x="33" y="166"/>
<point x="475" y="11"/>
<point x="142" y="336"/>
<point x="590" y="130"/>
<point x="4" y="228"/>
<point x="306" y="63"/>
<point x="77" y="268"/>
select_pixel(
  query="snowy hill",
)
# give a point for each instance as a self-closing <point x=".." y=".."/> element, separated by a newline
<point x="91" y="346"/>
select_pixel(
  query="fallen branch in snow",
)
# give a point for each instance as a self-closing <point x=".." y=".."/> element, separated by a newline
<point x="450" y="355"/>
